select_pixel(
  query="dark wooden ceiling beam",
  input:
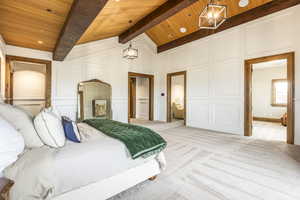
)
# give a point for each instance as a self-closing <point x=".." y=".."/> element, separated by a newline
<point x="81" y="15"/>
<point x="255" y="13"/>
<point x="168" y="9"/>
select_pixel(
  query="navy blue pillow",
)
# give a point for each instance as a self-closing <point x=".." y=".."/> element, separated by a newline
<point x="71" y="130"/>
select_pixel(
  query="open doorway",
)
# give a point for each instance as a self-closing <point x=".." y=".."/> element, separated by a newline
<point x="140" y="97"/>
<point x="269" y="93"/>
<point x="28" y="83"/>
<point x="176" y="97"/>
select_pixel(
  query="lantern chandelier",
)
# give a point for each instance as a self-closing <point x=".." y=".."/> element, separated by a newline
<point x="130" y="53"/>
<point x="213" y="15"/>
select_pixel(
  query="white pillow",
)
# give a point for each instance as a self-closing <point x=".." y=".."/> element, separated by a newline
<point x="54" y="111"/>
<point x="11" y="144"/>
<point x="49" y="127"/>
<point x="23" y="122"/>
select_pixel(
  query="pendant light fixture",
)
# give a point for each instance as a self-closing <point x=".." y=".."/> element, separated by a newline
<point x="213" y="15"/>
<point x="130" y="53"/>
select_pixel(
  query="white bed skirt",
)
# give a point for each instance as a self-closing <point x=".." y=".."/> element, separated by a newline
<point x="109" y="187"/>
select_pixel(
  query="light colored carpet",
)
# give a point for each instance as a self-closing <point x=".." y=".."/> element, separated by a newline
<point x="269" y="131"/>
<point x="204" y="165"/>
<point x="157" y="125"/>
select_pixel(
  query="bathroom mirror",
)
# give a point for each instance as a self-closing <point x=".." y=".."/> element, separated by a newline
<point x="94" y="100"/>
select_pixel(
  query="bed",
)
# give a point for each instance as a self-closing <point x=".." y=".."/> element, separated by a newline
<point x="98" y="168"/>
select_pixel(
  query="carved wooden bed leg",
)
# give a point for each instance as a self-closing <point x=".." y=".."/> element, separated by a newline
<point x="5" y="186"/>
<point x="152" y="178"/>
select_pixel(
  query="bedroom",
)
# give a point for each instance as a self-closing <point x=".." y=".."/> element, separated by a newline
<point x="215" y="87"/>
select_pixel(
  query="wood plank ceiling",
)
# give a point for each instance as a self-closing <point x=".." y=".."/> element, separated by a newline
<point x="168" y="30"/>
<point x="117" y="17"/>
<point x="33" y="23"/>
<point x="80" y="17"/>
<point x="26" y="22"/>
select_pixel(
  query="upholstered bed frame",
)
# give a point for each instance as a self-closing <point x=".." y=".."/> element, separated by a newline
<point x="109" y="187"/>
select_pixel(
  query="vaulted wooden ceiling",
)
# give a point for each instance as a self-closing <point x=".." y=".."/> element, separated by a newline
<point x="117" y="17"/>
<point x="38" y="24"/>
<point x="26" y="22"/>
<point x="33" y="23"/>
<point x="189" y="17"/>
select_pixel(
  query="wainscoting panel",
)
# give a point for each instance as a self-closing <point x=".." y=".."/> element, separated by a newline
<point x="198" y="82"/>
<point x="226" y="46"/>
<point x="66" y="79"/>
<point x="270" y="33"/>
<point x="226" y="117"/>
<point x="214" y="95"/>
<point x="199" y="113"/>
<point x="120" y="109"/>
<point x="226" y="78"/>
<point x="179" y="58"/>
<point x="66" y="106"/>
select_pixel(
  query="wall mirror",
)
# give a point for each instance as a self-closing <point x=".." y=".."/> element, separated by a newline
<point x="94" y="100"/>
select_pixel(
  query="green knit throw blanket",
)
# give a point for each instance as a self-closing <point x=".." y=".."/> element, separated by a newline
<point x="140" y="141"/>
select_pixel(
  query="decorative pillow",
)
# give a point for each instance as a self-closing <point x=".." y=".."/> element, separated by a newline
<point x="54" y="111"/>
<point x="11" y="143"/>
<point x="23" y="122"/>
<point x="49" y="127"/>
<point x="71" y="130"/>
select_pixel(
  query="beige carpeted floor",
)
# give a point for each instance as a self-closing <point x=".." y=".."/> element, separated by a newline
<point x="269" y="131"/>
<point x="204" y="165"/>
<point x="157" y="125"/>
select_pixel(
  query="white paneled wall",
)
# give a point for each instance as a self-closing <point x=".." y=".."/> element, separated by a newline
<point x="96" y="60"/>
<point x="215" y="66"/>
<point x="213" y="81"/>
<point x="271" y="34"/>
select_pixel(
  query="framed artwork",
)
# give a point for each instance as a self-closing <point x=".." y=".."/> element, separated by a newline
<point x="99" y="108"/>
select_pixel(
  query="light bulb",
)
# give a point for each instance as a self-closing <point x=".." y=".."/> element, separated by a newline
<point x="209" y="15"/>
<point x="182" y="29"/>
<point x="131" y="52"/>
<point x="216" y="15"/>
<point x="243" y="3"/>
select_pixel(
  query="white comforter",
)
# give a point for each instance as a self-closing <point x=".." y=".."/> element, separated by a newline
<point x="44" y="172"/>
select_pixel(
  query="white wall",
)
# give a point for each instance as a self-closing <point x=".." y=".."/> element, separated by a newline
<point x="142" y="98"/>
<point x="177" y="89"/>
<point x="29" y="85"/>
<point x="2" y="67"/>
<point x="262" y="92"/>
<point x="102" y="60"/>
<point x="214" y="65"/>
<point x="215" y="70"/>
